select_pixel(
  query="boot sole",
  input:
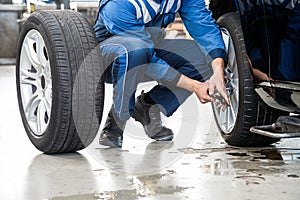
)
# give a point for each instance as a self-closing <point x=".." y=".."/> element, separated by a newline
<point x="164" y="138"/>
<point x="108" y="143"/>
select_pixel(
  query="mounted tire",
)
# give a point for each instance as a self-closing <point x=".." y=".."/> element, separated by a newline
<point x="59" y="90"/>
<point x="246" y="109"/>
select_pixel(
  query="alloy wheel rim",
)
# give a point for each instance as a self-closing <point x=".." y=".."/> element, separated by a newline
<point x="35" y="82"/>
<point x="226" y="120"/>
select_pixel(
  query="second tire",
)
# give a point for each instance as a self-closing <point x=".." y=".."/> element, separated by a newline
<point x="59" y="89"/>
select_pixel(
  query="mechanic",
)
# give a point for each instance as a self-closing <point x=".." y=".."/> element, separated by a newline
<point x="132" y="44"/>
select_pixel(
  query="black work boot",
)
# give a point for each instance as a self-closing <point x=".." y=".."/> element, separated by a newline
<point x="112" y="133"/>
<point x="149" y="116"/>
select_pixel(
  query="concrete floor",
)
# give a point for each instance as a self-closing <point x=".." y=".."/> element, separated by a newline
<point x="196" y="165"/>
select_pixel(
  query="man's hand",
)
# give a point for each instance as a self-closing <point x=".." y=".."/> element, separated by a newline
<point x="217" y="81"/>
<point x="205" y="91"/>
<point x="200" y="89"/>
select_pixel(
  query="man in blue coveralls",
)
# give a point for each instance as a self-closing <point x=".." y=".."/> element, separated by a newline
<point x="131" y="37"/>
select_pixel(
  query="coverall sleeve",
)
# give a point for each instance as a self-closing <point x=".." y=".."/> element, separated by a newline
<point x="120" y="19"/>
<point x="202" y="27"/>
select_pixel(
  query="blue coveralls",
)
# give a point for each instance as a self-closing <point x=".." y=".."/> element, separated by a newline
<point x="134" y="49"/>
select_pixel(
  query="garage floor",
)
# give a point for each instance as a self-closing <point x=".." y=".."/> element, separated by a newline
<point x="196" y="165"/>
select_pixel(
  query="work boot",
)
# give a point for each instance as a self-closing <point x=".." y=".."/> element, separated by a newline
<point x="149" y="116"/>
<point x="112" y="133"/>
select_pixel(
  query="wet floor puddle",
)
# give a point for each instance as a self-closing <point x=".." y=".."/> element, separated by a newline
<point x="249" y="164"/>
<point x="265" y="153"/>
<point x="143" y="186"/>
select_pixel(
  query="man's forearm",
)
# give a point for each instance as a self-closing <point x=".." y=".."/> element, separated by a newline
<point x="199" y="88"/>
<point x="187" y="83"/>
<point x="218" y="65"/>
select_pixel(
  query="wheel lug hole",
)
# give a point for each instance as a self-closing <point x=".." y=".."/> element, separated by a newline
<point x="43" y="82"/>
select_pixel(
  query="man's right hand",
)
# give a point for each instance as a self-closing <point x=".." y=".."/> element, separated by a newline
<point x="200" y="89"/>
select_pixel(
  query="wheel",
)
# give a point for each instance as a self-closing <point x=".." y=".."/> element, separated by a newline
<point x="246" y="109"/>
<point x="59" y="90"/>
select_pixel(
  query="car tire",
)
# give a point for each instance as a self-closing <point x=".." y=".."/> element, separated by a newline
<point x="59" y="90"/>
<point x="246" y="109"/>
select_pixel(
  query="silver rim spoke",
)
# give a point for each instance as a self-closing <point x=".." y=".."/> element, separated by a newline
<point x="40" y="51"/>
<point x="228" y="119"/>
<point x="48" y="98"/>
<point x="234" y="102"/>
<point x="31" y="105"/>
<point x="41" y="115"/>
<point x="28" y="77"/>
<point x="232" y="114"/>
<point x="235" y="70"/>
<point x="35" y="82"/>
<point x="30" y="53"/>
